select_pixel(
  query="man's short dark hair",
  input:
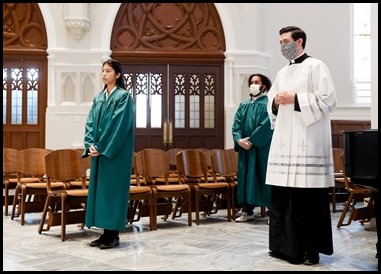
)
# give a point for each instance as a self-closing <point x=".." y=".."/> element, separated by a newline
<point x="296" y="33"/>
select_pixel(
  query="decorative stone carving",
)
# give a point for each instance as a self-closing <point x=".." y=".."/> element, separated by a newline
<point x="77" y="27"/>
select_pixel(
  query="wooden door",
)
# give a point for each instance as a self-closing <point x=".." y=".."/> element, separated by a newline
<point x="24" y="104"/>
<point x="191" y="96"/>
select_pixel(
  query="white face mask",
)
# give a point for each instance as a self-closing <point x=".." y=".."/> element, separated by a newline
<point x="254" y="90"/>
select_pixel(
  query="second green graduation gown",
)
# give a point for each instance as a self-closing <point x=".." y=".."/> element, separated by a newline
<point x="252" y="120"/>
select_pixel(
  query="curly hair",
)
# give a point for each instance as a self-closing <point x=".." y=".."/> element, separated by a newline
<point x="266" y="82"/>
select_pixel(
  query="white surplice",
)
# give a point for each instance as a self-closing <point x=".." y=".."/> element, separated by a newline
<point x="301" y="147"/>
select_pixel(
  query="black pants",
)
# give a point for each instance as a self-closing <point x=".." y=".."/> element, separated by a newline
<point x="300" y="221"/>
<point x="248" y="208"/>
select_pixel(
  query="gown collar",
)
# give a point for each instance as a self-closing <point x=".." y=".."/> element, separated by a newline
<point x="299" y="59"/>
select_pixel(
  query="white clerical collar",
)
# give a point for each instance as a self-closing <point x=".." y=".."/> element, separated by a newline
<point x="292" y="61"/>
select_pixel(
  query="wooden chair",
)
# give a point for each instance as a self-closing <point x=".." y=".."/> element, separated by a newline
<point x="30" y="192"/>
<point x="78" y="182"/>
<point x="140" y="200"/>
<point x="208" y="157"/>
<point x="64" y="205"/>
<point x="150" y="164"/>
<point x="172" y="152"/>
<point x="356" y="192"/>
<point x="192" y="169"/>
<point x="133" y="181"/>
<point x="224" y="164"/>
<point x="139" y="197"/>
<point x="339" y="178"/>
<point x="10" y="165"/>
<point x="173" y="178"/>
<point x="159" y="180"/>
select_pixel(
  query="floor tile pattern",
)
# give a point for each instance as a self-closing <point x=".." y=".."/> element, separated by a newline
<point x="214" y="245"/>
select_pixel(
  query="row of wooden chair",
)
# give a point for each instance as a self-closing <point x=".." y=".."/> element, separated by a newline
<point x="54" y="183"/>
<point x="48" y="181"/>
<point x="45" y="181"/>
<point x="224" y="166"/>
<point x="30" y="184"/>
<point x="193" y="169"/>
<point x="191" y="189"/>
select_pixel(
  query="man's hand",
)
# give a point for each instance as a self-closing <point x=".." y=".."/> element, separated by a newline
<point x="284" y="98"/>
<point x="245" y="143"/>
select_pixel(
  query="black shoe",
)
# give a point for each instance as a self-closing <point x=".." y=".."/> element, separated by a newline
<point x="312" y="259"/>
<point x="113" y="243"/>
<point x="98" y="241"/>
<point x="279" y="255"/>
<point x="275" y="254"/>
<point x="296" y="260"/>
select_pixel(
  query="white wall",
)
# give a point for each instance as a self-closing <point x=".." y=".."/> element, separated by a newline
<point x="251" y="33"/>
<point x="374" y="54"/>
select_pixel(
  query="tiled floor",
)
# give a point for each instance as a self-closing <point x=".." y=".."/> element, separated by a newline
<point x="213" y="245"/>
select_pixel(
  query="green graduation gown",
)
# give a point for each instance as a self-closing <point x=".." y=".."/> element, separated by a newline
<point x="252" y="120"/>
<point x="110" y="127"/>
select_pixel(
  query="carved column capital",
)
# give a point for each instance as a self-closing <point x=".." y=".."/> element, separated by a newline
<point x="77" y="27"/>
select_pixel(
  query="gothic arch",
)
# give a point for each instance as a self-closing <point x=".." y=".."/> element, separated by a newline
<point x="24" y="75"/>
<point x="169" y="30"/>
<point x="181" y="46"/>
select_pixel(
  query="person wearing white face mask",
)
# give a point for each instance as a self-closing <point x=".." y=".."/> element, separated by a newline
<point x="252" y="136"/>
<point x="254" y="90"/>
<point x="300" y="169"/>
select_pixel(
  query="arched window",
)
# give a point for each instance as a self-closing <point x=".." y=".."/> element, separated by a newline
<point x="362" y="52"/>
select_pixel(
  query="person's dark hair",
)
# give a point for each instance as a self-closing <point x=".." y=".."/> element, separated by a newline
<point x="120" y="82"/>
<point x="266" y="82"/>
<point x="296" y="33"/>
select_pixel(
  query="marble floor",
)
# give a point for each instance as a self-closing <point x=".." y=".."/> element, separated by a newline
<point x="215" y="244"/>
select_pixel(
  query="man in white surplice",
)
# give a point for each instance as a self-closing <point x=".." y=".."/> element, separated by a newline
<point x="300" y="168"/>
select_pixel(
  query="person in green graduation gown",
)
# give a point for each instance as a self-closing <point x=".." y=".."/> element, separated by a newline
<point x="109" y="139"/>
<point x="252" y="135"/>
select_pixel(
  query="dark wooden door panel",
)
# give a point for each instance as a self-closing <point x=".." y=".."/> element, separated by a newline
<point x="24" y="103"/>
<point x="191" y="96"/>
<point x="203" y="125"/>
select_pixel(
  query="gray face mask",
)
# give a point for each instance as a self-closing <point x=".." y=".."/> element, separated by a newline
<point x="289" y="50"/>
